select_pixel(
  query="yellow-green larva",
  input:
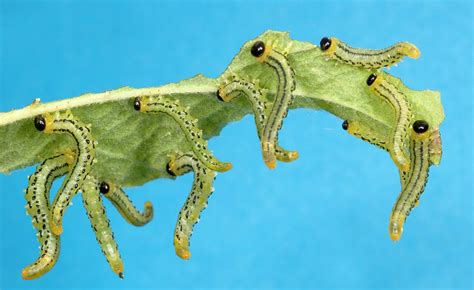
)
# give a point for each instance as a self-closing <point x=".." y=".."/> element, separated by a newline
<point x="37" y="197"/>
<point x="100" y="224"/>
<point x="160" y="104"/>
<point x="283" y="98"/>
<point x="367" y="58"/>
<point x="254" y="95"/>
<point x="416" y="178"/>
<point x="403" y="118"/>
<point x="84" y="157"/>
<point x="124" y="205"/>
<point x="196" y="201"/>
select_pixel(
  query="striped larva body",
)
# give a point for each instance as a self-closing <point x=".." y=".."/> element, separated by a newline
<point x="259" y="105"/>
<point x="84" y="157"/>
<point x="196" y="201"/>
<point x="124" y="205"/>
<point x="283" y="98"/>
<point x="403" y="118"/>
<point x="101" y="224"/>
<point x="416" y="178"/>
<point x="37" y="197"/>
<point x="367" y="134"/>
<point x="160" y="104"/>
<point x="367" y="58"/>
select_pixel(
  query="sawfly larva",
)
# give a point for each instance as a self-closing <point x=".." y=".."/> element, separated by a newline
<point x="283" y="98"/>
<point x="259" y="105"/>
<point x="367" y="58"/>
<point x="159" y="104"/>
<point x="196" y="201"/>
<point x="37" y="197"/>
<point x="403" y="118"/>
<point x="124" y="205"/>
<point x="84" y="157"/>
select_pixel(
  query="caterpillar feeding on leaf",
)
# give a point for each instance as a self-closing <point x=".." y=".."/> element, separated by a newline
<point x="159" y="104"/>
<point x="124" y="205"/>
<point x="196" y="201"/>
<point x="84" y="157"/>
<point x="416" y="178"/>
<point x="283" y="98"/>
<point x="403" y="118"/>
<point x="101" y="224"/>
<point x="254" y="95"/>
<point x="367" y="58"/>
<point x="37" y="197"/>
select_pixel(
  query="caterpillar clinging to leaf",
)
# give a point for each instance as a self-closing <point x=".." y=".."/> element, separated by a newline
<point x="367" y="58"/>
<point x="283" y="98"/>
<point x="196" y="201"/>
<point x="254" y="95"/>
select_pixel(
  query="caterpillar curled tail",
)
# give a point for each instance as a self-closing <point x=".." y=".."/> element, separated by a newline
<point x="124" y="205"/>
<point x="84" y="158"/>
<point x="235" y="88"/>
<point x="283" y="98"/>
<point x="37" y="197"/>
<point x="188" y="124"/>
<point x="367" y="58"/>
<point x="416" y="178"/>
<point x="403" y="118"/>
<point x="196" y="201"/>
<point x="101" y="225"/>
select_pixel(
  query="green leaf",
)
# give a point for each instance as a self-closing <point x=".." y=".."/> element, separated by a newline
<point x="133" y="148"/>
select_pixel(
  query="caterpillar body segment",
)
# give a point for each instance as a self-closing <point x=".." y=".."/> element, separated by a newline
<point x="403" y="118"/>
<point x="125" y="206"/>
<point x="367" y="58"/>
<point x="84" y="158"/>
<point x="160" y="104"/>
<point x="101" y="224"/>
<point x="415" y="181"/>
<point x="196" y="201"/>
<point x="283" y="98"/>
<point x="37" y="197"/>
<point x="254" y="95"/>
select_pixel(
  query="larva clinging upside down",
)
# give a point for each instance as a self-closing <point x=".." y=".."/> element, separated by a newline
<point x="254" y="95"/>
<point x="37" y="197"/>
<point x="196" y="201"/>
<point x="188" y="124"/>
<point x="416" y="178"/>
<point x="367" y="58"/>
<point x="283" y="98"/>
<point x="84" y="157"/>
<point x="403" y="117"/>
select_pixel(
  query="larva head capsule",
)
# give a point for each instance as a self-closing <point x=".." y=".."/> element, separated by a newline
<point x="104" y="187"/>
<point x="218" y="94"/>
<point x="345" y="125"/>
<point x="40" y="123"/>
<point x="325" y="43"/>
<point x="420" y="126"/>
<point x="258" y="49"/>
<point x="136" y="104"/>
<point x="371" y="79"/>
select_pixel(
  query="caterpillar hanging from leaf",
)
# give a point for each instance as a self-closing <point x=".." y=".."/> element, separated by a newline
<point x="367" y="58"/>
<point x="254" y="95"/>
<point x="196" y="201"/>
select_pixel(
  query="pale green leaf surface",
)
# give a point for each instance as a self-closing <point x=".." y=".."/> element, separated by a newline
<point x="134" y="147"/>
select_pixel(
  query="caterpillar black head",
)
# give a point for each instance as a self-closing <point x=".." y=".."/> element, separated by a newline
<point x="371" y="79"/>
<point x="258" y="48"/>
<point x="168" y="169"/>
<point x="325" y="43"/>
<point x="345" y="125"/>
<point x="136" y="104"/>
<point x="40" y="123"/>
<point x="420" y="126"/>
<point x="104" y="187"/>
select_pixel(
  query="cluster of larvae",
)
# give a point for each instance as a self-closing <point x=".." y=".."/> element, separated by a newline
<point x="77" y="163"/>
<point x="412" y="144"/>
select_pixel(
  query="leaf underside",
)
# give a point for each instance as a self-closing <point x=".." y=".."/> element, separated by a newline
<point x="133" y="148"/>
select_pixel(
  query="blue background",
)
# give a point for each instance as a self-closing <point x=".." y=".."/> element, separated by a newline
<point x="318" y="222"/>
